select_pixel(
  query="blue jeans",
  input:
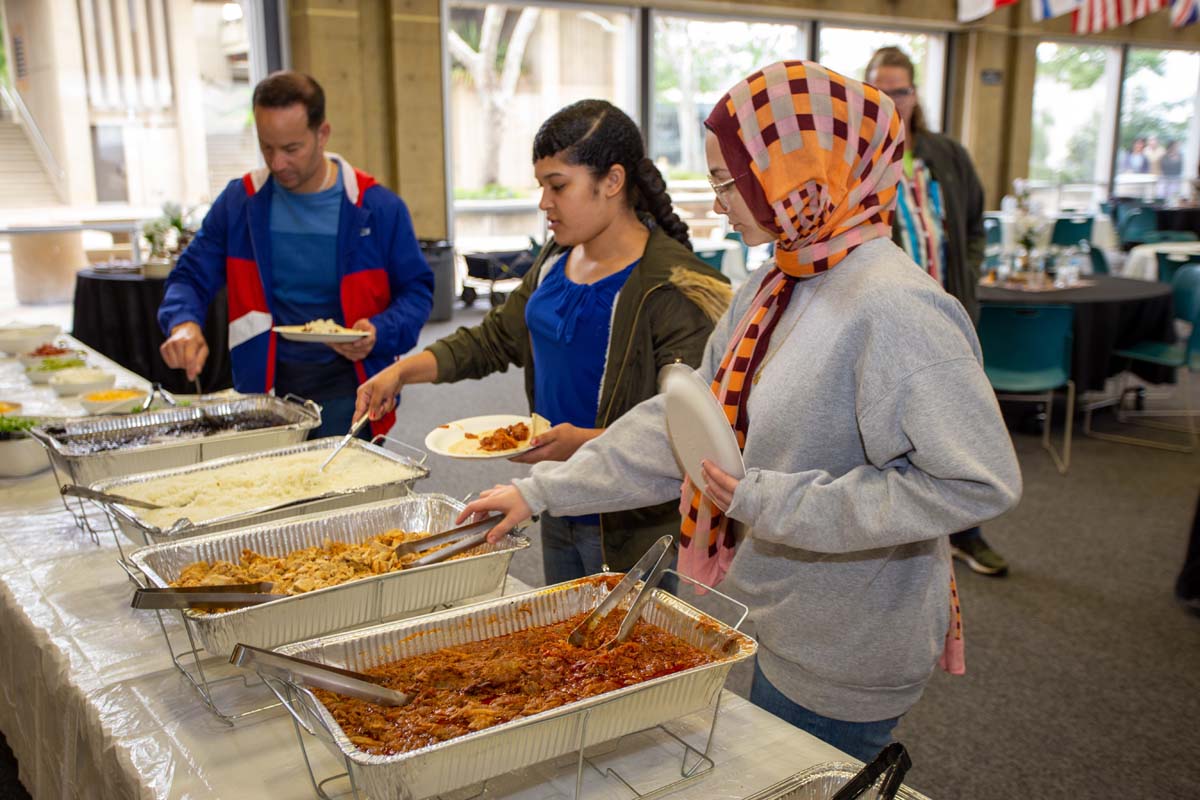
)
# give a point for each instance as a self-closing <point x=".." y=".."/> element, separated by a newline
<point x="569" y="550"/>
<point x="863" y="740"/>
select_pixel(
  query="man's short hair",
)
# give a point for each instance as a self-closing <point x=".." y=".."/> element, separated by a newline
<point x="285" y="88"/>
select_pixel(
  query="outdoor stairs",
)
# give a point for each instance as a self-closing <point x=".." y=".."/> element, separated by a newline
<point x="23" y="181"/>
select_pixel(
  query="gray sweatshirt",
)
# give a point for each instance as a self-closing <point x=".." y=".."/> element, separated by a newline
<point x="873" y="434"/>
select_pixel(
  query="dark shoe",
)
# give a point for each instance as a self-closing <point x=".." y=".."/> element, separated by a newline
<point x="976" y="554"/>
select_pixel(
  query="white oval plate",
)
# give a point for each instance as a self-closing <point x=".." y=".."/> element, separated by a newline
<point x="443" y="438"/>
<point x="295" y="333"/>
<point x="697" y="426"/>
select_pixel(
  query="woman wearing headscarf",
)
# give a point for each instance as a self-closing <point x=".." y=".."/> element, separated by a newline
<point x="854" y="386"/>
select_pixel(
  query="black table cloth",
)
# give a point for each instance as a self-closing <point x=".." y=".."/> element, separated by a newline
<point x="117" y="315"/>
<point x="1113" y="313"/>
<point x="1178" y="219"/>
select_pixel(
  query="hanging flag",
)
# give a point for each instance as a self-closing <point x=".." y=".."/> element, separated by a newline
<point x="1184" y="12"/>
<point x="1094" y="16"/>
<point x="970" y="10"/>
<point x="1048" y="9"/>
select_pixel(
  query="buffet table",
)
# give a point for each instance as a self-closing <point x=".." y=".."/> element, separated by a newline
<point x="92" y="707"/>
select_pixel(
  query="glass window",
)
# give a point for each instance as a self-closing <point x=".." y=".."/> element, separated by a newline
<point x="847" y="50"/>
<point x="1159" y="137"/>
<point x="223" y="58"/>
<point x="1073" y="103"/>
<point x="695" y="60"/>
<point x="511" y="67"/>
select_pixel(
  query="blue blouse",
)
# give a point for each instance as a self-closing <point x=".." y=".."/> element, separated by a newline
<point x="569" y="326"/>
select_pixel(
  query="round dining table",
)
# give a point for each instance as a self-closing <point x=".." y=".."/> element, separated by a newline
<point x="1110" y="313"/>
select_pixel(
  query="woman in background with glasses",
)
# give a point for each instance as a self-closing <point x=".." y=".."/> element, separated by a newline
<point x="939" y="223"/>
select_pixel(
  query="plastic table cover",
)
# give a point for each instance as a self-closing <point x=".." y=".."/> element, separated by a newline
<point x="92" y="707"/>
<point x="39" y="400"/>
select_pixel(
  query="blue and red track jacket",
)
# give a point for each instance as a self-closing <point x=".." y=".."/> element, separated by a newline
<point x="384" y="277"/>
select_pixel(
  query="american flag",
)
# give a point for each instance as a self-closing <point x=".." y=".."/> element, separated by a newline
<point x="1046" y="9"/>
<point x="1094" y="16"/>
<point x="1184" y="12"/>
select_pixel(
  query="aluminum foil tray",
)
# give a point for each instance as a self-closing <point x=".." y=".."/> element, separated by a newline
<point x="336" y="608"/>
<point x="520" y="743"/>
<point x="132" y="525"/>
<point x="822" y="781"/>
<point x="89" y="468"/>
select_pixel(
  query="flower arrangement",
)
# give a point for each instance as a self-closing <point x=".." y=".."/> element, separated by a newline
<point x="170" y="234"/>
<point x="1028" y="221"/>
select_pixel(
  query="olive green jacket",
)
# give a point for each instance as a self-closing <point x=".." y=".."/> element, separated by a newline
<point x="663" y="314"/>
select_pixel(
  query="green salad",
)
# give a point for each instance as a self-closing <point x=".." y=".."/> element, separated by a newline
<point x="15" y="427"/>
<point x="54" y="364"/>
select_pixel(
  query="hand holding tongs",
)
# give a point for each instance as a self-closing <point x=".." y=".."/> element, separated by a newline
<point x="318" y="676"/>
<point x="650" y="567"/>
<point x="465" y="541"/>
<point x="354" y="429"/>
<point x="74" y="490"/>
<point x="206" y="597"/>
<point x="892" y="760"/>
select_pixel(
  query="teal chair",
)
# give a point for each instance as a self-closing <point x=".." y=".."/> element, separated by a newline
<point x="1183" y="356"/>
<point x="1138" y="223"/>
<point x="711" y="257"/>
<point x="1099" y="261"/>
<point x="1027" y="357"/>
<point x="1070" y="231"/>
<point x="1158" y="237"/>
<point x="1170" y="263"/>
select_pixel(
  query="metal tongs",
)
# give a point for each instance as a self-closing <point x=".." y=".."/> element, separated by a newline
<point x="157" y="389"/>
<point x="892" y="762"/>
<point x="318" y="676"/>
<point x="466" y="540"/>
<point x="206" y="597"/>
<point x="354" y="429"/>
<point x="74" y="490"/>
<point x="649" y="567"/>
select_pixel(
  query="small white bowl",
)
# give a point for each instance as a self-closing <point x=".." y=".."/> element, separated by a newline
<point x="16" y="407"/>
<point x="112" y="406"/>
<point x="21" y="457"/>
<point x="31" y="361"/>
<point x="44" y="375"/>
<point x="17" y="339"/>
<point x="81" y="380"/>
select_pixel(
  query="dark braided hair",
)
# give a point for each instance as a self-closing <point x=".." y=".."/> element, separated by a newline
<point x="596" y="134"/>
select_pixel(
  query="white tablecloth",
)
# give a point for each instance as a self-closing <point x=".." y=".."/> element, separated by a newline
<point x="1142" y="261"/>
<point x="92" y="707"/>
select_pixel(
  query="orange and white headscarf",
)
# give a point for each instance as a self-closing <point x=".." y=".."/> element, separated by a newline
<point x="817" y="158"/>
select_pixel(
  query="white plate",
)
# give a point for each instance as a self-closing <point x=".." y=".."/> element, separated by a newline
<point x="697" y="426"/>
<point x="81" y="380"/>
<point x="294" y="333"/>
<point x="16" y="339"/>
<point x="444" y="437"/>
<point x="125" y="406"/>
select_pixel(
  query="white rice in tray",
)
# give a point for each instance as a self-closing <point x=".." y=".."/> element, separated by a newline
<point x="248" y="485"/>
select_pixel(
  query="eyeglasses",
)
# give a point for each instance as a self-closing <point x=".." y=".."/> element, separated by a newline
<point x="901" y="94"/>
<point x="720" y="190"/>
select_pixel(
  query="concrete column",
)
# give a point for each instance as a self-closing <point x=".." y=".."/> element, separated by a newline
<point x="108" y="54"/>
<point x="125" y="61"/>
<point x="140" y="22"/>
<point x="91" y="57"/>
<point x="189" y="106"/>
<point x="987" y="112"/>
<point x="162" y="63"/>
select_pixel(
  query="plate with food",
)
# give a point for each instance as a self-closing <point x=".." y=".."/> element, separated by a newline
<point x="490" y="436"/>
<point x="321" y="331"/>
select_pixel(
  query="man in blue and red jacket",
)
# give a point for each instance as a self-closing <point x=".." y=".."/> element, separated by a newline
<point x="307" y="238"/>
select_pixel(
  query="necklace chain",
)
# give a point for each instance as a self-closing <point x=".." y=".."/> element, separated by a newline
<point x="779" y="346"/>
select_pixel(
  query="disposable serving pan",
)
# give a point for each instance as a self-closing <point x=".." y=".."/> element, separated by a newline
<point x="346" y="605"/>
<point x="822" y="781"/>
<point x="85" y="469"/>
<point x="485" y="754"/>
<point x="132" y="525"/>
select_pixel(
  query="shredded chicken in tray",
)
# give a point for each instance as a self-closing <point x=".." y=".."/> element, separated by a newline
<point x="311" y="568"/>
<point x="474" y="686"/>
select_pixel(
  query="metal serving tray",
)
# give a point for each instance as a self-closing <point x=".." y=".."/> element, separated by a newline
<point x="85" y="469"/>
<point x="520" y="743"/>
<point x="346" y="605"/>
<point x="822" y="781"/>
<point x="132" y="525"/>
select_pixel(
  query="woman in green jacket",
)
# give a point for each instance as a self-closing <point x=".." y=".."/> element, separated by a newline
<point x="615" y="295"/>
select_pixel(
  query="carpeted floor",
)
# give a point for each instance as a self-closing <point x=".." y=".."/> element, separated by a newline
<point x="1082" y="670"/>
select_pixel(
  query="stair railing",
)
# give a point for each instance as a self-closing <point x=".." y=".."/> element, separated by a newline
<point x="12" y="99"/>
